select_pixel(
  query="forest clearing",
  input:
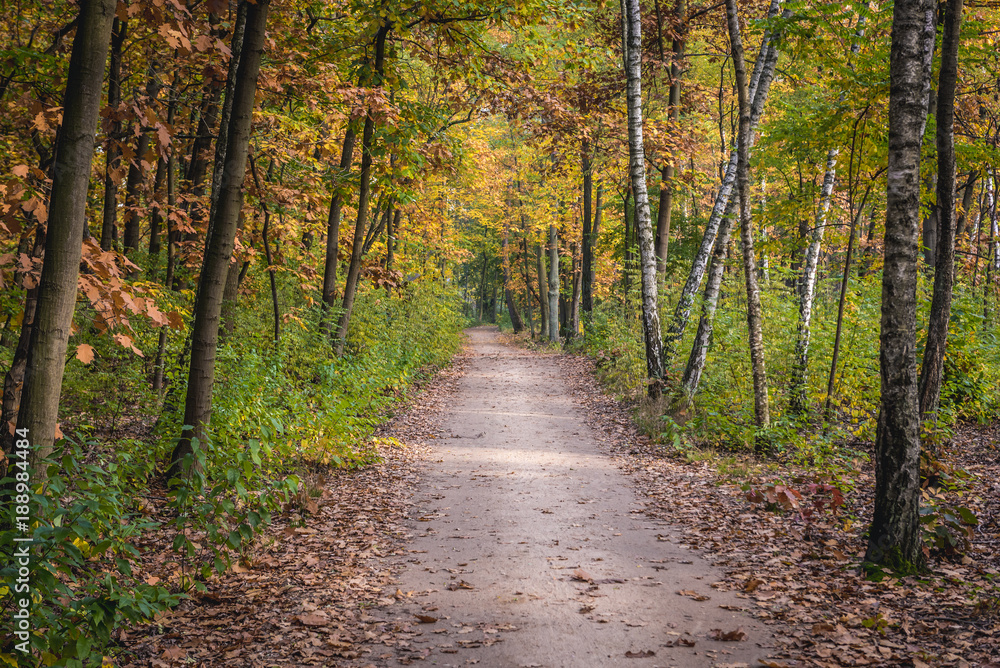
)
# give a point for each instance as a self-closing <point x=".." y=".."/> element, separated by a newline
<point x="545" y="333"/>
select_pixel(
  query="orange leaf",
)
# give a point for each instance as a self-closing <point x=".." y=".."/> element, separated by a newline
<point x="85" y="353"/>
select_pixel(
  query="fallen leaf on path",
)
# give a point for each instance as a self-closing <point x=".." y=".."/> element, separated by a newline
<point x="640" y="655"/>
<point x="679" y="642"/>
<point x="728" y="636"/>
<point x="693" y="594"/>
<point x="312" y="619"/>
<point x="581" y="575"/>
<point x="174" y="653"/>
<point x="426" y="619"/>
<point x="461" y="584"/>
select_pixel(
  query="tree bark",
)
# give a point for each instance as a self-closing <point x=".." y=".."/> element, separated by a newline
<point x="807" y="291"/>
<point x="527" y="286"/>
<point x="333" y="228"/>
<point x="354" y="270"/>
<point x="588" y="232"/>
<point x="754" y="315"/>
<point x="703" y="338"/>
<point x="208" y="306"/>
<point x="553" y="310"/>
<point x="895" y="538"/>
<point x="543" y="291"/>
<point x="46" y="359"/>
<point x="574" y="309"/>
<point x="760" y="84"/>
<point x="932" y="369"/>
<point x="632" y="20"/>
<point x="113" y="151"/>
<point x="130" y="237"/>
<point x="515" y="317"/>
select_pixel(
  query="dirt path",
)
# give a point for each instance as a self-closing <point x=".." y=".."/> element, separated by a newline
<point x="530" y="547"/>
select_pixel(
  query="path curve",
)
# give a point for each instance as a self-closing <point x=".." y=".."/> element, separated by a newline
<point x="530" y="546"/>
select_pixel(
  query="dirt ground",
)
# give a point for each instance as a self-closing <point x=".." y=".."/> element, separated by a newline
<point x="531" y="548"/>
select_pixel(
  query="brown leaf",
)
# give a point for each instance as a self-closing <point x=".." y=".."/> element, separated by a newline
<point x="174" y="653"/>
<point x="426" y="619"/>
<point x="728" y="636"/>
<point x="640" y="655"/>
<point x="311" y="619"/>
<point x="680" y="642"/>
<point x="461" y="584"/>
<point x="693" y="594"/>
<point x="752" y="585"/>
<point x="85" y="353"/>
<point x="581" y="575"/>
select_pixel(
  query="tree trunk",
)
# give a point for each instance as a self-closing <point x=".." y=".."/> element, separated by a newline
<point x="575" y="304"/>
<point x="543" y="291"/>
<point x="895" y="537"/>
<point x="391" y="232"/>
<point x="703" y="338"/>
<point x="968" y="193"/>
<point x="760" y="84"/>
<point x="14" y="379"/>
<point x="354" y="270"/>
<point x="932" y="369"/>
<point x="527" y="288"/>
<point x="553" y="310"/>
<point x="807" y="291"/>
<point x="515" y="317"/>
<point x="208" y="306"/>
<point x="754" y="315"/>
<point x="130" y="238"/>
<point x="632" y="22"/>
<point x="236" y="48"/>
<point x="333" y="227"/>
<point x="113" y="151"/>
<point x="588" y="232"/>
<point x="57" y="288"/>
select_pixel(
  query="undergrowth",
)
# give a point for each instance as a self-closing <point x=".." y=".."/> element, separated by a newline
<point x="280" y="411"/>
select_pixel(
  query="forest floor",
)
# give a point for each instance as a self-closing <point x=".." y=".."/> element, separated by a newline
<point x="519" y="519"/>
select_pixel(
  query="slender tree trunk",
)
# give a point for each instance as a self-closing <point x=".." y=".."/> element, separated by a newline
<point x="895" y="537"/>
<point x="239" y="29"/>
<point x="598" y="211"/>
<point x="515" y="317"/>
<point x="827" y="414"/>
<point x="391" y="232"/>
<point x="807" y="291"/>
<point x="754" y="315"/>
<point x="703" y="338"/>
<point x="527" y="288"/>
<point x="113" y="151"/>
<point x="130" y="238"/>
<point x="632" y="20"/>
<point x="932" y="369"/>
<point x="354" y="270"/>
<point x="14" y="379"/>
<point x="57" y="288"/>
<point x="543" y="291"/>
<point x="760" y="84"/>
<point x="968" y="193"/>
<point x="577" y="287"/>
<point x="208" y="306"/>
<point x="333" y="227"/>
<point x="553" y="284"/>
<point x="588" y="232"/>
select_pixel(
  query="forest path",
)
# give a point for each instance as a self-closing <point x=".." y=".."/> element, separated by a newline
<point x="530" y="547"/>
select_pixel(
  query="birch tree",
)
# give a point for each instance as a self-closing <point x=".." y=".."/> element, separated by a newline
<point x="760" y="84"/>
<point x="944" y="263"/>
<point x="895" y="538"/>
<point x="632" y="45"/>
<point x="754" y="315"/>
